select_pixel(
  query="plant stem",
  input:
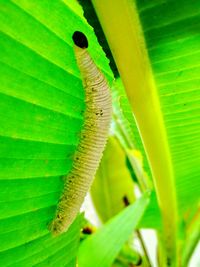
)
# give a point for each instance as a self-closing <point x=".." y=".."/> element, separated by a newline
<point x="128" y="47"/>
<point x="193" y="237"/>
<point x="143" y="247"/>
<point x="143" y="181"/>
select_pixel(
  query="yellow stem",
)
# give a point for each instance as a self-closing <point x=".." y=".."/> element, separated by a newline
<point x="121" y="25"/>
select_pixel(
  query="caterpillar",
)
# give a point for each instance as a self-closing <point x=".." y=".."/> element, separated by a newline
<point x="93" y="137"/>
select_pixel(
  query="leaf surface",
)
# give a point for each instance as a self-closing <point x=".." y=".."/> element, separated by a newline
<point x="105" y="244"/>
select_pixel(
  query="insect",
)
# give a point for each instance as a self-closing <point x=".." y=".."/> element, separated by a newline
<point x="93" y="137"/>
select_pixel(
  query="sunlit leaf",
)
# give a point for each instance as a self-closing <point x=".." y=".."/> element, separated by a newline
<point x="113" y="185"/>
<point x="104" y="245"/>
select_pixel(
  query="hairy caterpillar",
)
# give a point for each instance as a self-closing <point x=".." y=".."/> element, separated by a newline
<point x="93" y="138"/>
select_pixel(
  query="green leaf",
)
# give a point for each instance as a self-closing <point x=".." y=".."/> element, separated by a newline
<point x="113" y="182"/>
<point x="41" y="116"/>
<point x="105" y="244"/>
<point x="161" y="76"/>
<point x="192" y="237"/>
<point x="171" y="30"/>
<point x="126" y="128"/>
<point x="28" y="242"/>
<point x="127" y="132"/>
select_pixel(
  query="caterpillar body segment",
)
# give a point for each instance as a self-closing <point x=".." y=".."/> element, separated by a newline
<point x="97" y="118"/>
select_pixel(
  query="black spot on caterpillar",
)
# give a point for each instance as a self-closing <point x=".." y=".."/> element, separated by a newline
<point x="93" y="138"/>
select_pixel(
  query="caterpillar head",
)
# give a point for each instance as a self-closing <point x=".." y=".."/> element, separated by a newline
<point x="80" y="39"/>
